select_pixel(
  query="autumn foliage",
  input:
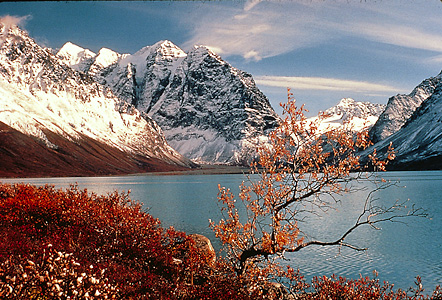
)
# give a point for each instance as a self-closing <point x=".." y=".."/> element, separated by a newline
<point x="366" y="288"/>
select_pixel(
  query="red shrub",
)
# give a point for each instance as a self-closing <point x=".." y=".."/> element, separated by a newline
<point x="365" y="288"/>
<point x="122" y="244"/>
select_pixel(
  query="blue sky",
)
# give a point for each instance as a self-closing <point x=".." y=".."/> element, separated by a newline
<point x="324" y="50"/>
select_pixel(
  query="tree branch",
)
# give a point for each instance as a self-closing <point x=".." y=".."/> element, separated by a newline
<point x="414" y="212"/>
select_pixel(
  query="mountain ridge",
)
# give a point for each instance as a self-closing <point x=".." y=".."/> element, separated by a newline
<point x="401" y="107"/>
<point x="41" y="95"/>
<point x="418" y="142"/>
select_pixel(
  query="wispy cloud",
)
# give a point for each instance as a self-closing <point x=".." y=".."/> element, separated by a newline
<point x="250" y="4"/>
<point x="409" y="24"/>
<point x="434" y="60"/>
<point x="399" y="35"/>
<point x="326" y="84"/>
<point x="261" y="29"/>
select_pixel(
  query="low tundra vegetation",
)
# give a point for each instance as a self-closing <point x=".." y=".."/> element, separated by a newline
<point x="71" y="244"/>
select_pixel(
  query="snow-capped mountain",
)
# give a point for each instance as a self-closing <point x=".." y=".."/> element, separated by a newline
<point x="78" y="58"/>
<point x="71" y="114"/>
<point x="400" y="108"/>
<point x="209" y="111"/>
<point x="354" y="115"/>
<point x="418" y="143"/>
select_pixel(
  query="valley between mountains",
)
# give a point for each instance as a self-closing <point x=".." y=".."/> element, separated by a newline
<point x="73" y="112"/>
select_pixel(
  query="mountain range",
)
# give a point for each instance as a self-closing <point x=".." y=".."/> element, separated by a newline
<point x="401" y="107"/>
<point x="209" y="111"/>
<point x="73" y="112"/>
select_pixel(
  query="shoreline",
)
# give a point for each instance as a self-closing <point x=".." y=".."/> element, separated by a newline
<point x="201" y="170"/>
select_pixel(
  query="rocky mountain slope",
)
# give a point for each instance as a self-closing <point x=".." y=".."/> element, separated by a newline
<point x="357" y="115"/>
<point x="51" y="110"/>
<point x="209" y="111"/>
<point x="418" y="143"/>
<point x="400" y="108"/>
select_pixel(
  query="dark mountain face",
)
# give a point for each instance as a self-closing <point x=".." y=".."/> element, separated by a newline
<point x="400" y="108"/>
<point x="209" y="111"/>
<point x="418" y="142"/>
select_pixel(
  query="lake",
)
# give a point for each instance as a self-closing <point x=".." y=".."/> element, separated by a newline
<point x="399" y="252"/>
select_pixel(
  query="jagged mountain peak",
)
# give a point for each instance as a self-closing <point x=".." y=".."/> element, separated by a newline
<point x="418" y="142"/>
<point x="162" y="52"/>
<point x="106" y="57"/>
<point x="167" y="49"/>
<point x="75" y="56"/>
<point x="73" y="49"/>
<point x="201" y="51"/>
<point x="346" y="102"/>
<point x="349" y="108"/>
<point x="11" y="36"/>
<point x="7" y="28"/>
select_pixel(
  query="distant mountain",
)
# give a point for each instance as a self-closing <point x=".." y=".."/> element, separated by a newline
<point x="209" y="111"/>
<point x="55" y="120"/>
<point x="418" y="142"/>
<point x="356" y="115"/>
<point x="400" y="108"/>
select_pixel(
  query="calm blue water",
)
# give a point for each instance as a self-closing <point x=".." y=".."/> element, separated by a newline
<point x="398" y="252"/>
